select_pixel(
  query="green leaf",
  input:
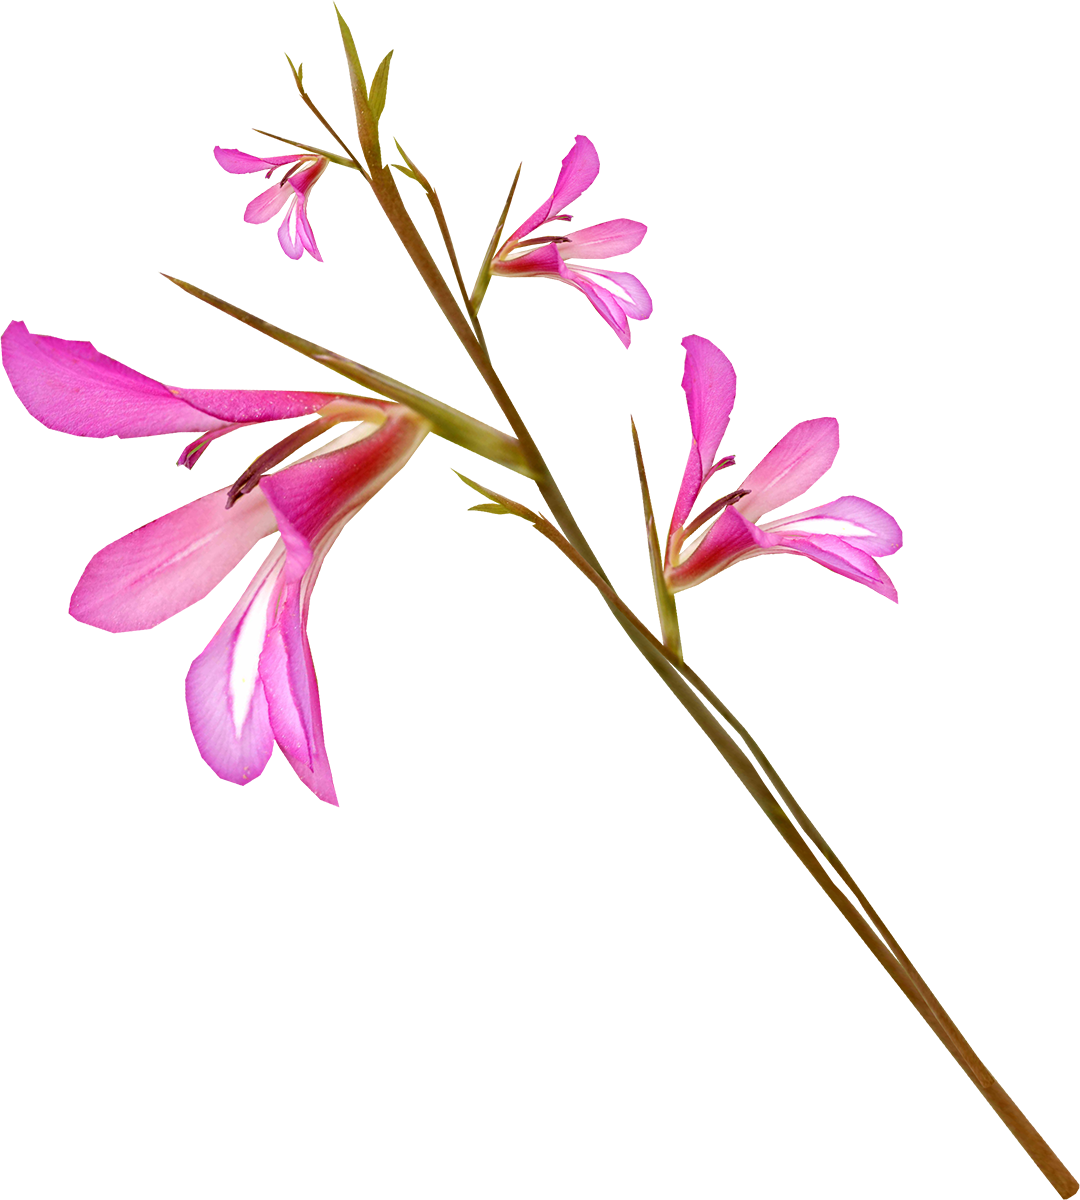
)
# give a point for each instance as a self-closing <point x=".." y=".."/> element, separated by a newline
<point x="327" y="154"/>
<point x="377" y="96"/>
<point x="356" y="72"/>
<point x="484" y="277"/>
<point x="501" y="509"/>
<point x="414" y="170"/>
<point x="405" y="171"/>
<point x="665" y="600"/>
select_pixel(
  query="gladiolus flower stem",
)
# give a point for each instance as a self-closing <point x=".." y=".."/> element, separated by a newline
<point x="675" y="674"/>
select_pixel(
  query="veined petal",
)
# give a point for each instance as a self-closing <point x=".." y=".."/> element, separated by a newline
<point x="310" y="497"/>
<point x="292" y="691"/>
<point x="857" y="521"/>
<point x="544" y="260"/>
<point x="796" y="462"/>
<point x="628" y="291"/>
<point x="711" y="382"/>
<point x="603" y="241"/>
<point x="225" y="696"/>
<point x="165" y="566"/>
<point x="579" y="170"/>
<point x="688" y="502"/>
<point x="244" y="407"/>
<point x="267" y="204"/>
<point x="239" y="163"/>
<point x="72" y="387"/>
<point x="603" y="301"/>
<point x="295" y="235"/>
<point x="730" y="538"/>
<point x="839" y="555"/>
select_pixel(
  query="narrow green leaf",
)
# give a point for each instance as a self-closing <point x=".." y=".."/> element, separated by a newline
<point x="356" y="72"/>
<point x="414" y="170"/>
<point x="484" y="277"/>
<point x="405" y="171"/>
<point x="377" y="96"/>
<point x="328" y="154"/>
<point x="367" y="124"/>
<point x="665" y="600"/>
<point x="500" y="509"/>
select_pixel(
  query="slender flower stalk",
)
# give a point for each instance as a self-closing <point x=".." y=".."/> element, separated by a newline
<point x="846" y="536"/>
<point x="616" y="295"/>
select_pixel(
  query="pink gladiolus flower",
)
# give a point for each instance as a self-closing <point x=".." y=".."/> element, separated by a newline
<point x="294" y="233"/>
<point x="254" y="684"/>
<point x="614" y="294"/>
<point x="846" y="535"/>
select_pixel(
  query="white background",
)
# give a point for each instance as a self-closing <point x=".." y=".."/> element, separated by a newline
<point x="901" y="201"/>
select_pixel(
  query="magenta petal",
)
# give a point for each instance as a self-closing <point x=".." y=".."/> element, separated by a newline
<point x="72" y="387"/>
<point x="544" y="260"/>
<point x="579" y="169"/>
<point x="795" y="463"/>
<point x="225" y="697"/>
<point x="857" y="521"/>
<point x="729" y="538"/>
<point x="239" y="163"/>
<point x="603" y="301"/>
<point x="314" y="498"/>
<point x="688" y="502"/>
<point x="837" y="554"/>
<point x="603" y="241"/>
<point x="169" y="564"/>
<point x="711" y="382"/>
<point x="295" y="235"/>
<point x="292" y="692"/>
<point x="245" y="407"/>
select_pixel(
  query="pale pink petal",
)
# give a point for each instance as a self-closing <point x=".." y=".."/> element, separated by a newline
<point x="795" y="463"/>
<point x="840" y="556"/>
<point x="294" y="234"/>
<point x="711" y="382"/>
<point x="225" y="697"/>
<point x="161" y="568"/>
<point x="603" y="241"/>
<point x="269" y="203"/>
<point x="239" y="163"/>
<point x="729" y="538"/>
<point x="72" y="387"/>
<point x="292" y="691"/>
<point x="855" y="520"/>
<point x="627" y="290"/>
<point x="603" y="301"/>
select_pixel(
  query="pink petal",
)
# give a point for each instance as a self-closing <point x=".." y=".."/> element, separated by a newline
<point x="304" y="179"/>
<point x="688" y="502"/>
<point x="711" y="382"/>
<point x="796" y="462"/>
<point x="72" y="387"/>
<point x="310" y="497"/>
<point x="579" y="169"/>
<point x="857" y="521"/>
<point x="244" y="407"/>
<point x="225" y="697"/>
<point x="837" y="554"/>
<point x="267" y="203"/>
<point x="544" y="260"/>
<point x="729" y="538"/>
<point x="604" y="303"/>
<point x="295" y="235"/>
<point x="292" y="692"/>
<point x="239" y="163"/>
<point x="161" y="568"/>
<point x="628" y="291"/>
<point x="603" y="241"/>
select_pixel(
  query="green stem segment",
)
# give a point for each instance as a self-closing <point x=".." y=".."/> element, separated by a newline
<point x="892" y="958"/>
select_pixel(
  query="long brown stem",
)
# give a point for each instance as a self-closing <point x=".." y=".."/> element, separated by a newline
<point x="755" y="772"/>
<point x="573" y="543"/>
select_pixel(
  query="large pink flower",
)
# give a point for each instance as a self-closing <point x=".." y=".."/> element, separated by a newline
<point x="614" y="294"/>
<point x="294" y="233"/>
<point x="254" y="684"/>
<point x="846" y="535"/>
